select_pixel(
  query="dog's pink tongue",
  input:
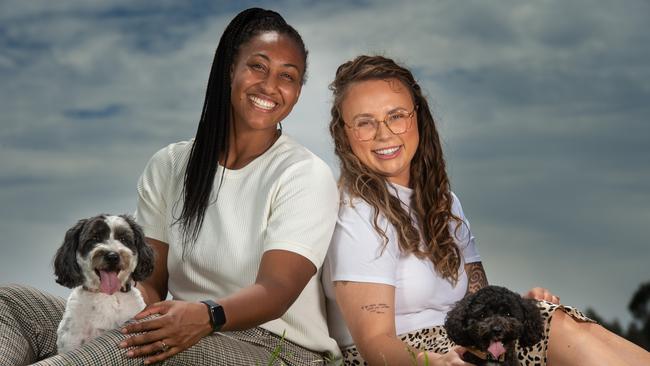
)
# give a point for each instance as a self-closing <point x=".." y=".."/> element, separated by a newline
<point x="496" y="349"/>
<point x="109" y="282"/>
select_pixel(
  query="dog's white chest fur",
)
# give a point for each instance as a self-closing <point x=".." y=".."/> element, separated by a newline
<point x="89" y="314"/>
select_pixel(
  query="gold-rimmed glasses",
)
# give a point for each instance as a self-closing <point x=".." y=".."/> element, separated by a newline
<point x="398" y="122"/>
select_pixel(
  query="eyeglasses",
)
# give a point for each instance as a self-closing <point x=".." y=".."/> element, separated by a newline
<point x="398" y="122"/>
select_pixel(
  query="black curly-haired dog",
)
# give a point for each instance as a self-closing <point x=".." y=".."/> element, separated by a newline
<point x="490" y="321"/>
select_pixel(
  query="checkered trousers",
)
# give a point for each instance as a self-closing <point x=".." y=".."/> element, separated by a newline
<point x="29" y="319"/>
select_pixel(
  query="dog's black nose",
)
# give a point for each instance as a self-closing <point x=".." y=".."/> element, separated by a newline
<point x="112" y="258"/>
<point x="497" y="329"/>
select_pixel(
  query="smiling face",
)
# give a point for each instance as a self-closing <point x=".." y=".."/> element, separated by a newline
<point x="387" y="154"/>
<point x="266" y="81"/>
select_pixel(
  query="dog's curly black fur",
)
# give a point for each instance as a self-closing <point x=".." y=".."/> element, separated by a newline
<point x="491" y="314"/>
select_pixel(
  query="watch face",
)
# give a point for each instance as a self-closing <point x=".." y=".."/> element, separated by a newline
<point x="217" y="315"/>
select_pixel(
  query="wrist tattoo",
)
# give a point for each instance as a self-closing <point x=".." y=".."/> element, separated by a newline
<point x="375" y="308"/>
<point x="476" y="277"/>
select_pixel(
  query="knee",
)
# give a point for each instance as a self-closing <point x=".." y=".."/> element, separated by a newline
<point x="8" y="292"/>
<point x="12" y="291"/>
<point x="9" y="298"/>
<point x="19" y="297"/>
<point x="562" y="322"/>
<point x="565" y="325"/>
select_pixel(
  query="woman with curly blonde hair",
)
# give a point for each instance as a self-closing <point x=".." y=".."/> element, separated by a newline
<point x="402" y="253"/>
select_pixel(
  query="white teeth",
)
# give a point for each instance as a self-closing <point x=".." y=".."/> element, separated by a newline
<point x="262" y="103"/>
<point x="388" y="151"/>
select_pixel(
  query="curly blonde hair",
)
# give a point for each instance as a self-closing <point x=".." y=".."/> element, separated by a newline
<point x="432" y="198"/>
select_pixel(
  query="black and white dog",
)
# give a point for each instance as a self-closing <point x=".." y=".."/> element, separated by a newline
<point x="101" y="259"/>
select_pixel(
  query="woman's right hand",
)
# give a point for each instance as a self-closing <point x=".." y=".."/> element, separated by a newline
<point x="451" y="358"/>
<point x="541" y="293"/>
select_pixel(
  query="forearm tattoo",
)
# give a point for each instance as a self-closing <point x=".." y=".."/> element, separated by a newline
<point x="476" y="277"/>
<point x="375" y="308"/>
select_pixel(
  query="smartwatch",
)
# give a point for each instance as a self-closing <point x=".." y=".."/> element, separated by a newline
<point x="217" y="315"/>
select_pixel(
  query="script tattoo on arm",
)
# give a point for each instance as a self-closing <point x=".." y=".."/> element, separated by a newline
<point x="476" y="276"/>
<point x="375" y="308"/>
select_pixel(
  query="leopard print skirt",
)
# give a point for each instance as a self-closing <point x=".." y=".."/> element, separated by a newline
<point x="435" y="339"/>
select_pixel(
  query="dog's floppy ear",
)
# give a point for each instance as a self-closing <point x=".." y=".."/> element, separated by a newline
<point x="145" y="253"/>
<point x="455" y="322"/>
<point x="66" y="269"/>
<point x="533" y="324"/>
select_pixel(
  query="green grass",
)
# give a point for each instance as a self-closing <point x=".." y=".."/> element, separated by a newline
<point x="277" y="352"/>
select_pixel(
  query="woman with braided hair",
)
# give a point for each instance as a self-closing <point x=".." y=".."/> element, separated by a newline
<point x="240" y="218"/>
<point x="402" y="253"/>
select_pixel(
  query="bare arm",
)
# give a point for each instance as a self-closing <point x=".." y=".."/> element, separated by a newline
<point x="281" y="277"/>
<point x="154" y="288"/>
<point x="476" y="277"/>
<point x="478" y="280"/>
<point x="369" y="312"/>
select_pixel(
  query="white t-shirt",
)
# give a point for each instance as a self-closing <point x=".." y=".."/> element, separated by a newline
<point x="284" y="199"/>
<point x="422" y="296"/>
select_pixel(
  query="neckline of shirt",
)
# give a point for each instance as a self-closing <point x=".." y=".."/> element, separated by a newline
<point x="254" y="163"/>
<point x="402" y="191"/>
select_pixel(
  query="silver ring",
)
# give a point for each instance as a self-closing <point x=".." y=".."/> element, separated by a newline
<point x="163" y="346"/>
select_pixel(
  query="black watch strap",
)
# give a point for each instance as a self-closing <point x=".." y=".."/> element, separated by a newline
<point x="217" y="315"/>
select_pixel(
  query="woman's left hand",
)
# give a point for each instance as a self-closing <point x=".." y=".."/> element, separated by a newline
<point x="540" y="293"/>
<point x="180" y="325"/>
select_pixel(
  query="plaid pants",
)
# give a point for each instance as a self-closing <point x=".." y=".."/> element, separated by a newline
<point x="29" y="319"/>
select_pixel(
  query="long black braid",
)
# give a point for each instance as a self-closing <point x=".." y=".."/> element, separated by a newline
<point x="212" y="136"/>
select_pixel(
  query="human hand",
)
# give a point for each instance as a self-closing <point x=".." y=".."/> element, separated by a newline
<point x="452" y="358"/>
<point x="180" y="325"/>
<point x="540" y="293"/>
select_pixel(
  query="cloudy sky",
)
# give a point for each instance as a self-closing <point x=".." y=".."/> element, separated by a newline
<point x="543" y="106"/>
